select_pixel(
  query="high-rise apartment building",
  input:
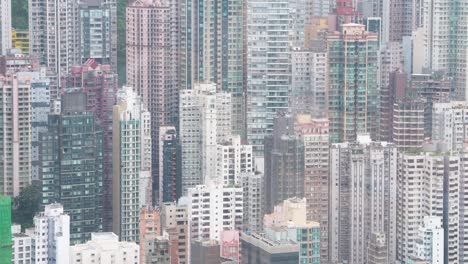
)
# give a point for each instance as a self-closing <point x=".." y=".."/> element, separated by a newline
<point x="408" y="123"/>
<point x="152" y="46"/>
<point x="98" y="31"/>
<point x="105" y="248"/>
<point x="363" y="177"/>
<point x="353" y="86"/>
<point x="430" y="183"/>
<point x="314" y="136"/>
<point x="450" y="124"/>
<point x="212" y="50"/>
<point x="54" y="31"/>
<point x="131" y="135"/>
<point x="174" y="220"/>
<point x="5" y="27"/>
<point x="51" y="236"/>
<point x="253" y="191"/>
<point x="157" y="249"/>
<point x="71" y="169"/>
<point x="15" y="133"/>
<point x="401" y="19"/>
<point x="429" y="244"/>
<point x="213" y="208"/>
<point x="258" y="248"/>
<point x="170" y="171"/>
<point x="22" y="246"/>
<point x="377" y="249"/>
<point x="150" y="226"/>
<point x="445" y="37"/>
<point x="20" y="40"/>
<point x="205" y="120"/>
<point x="99" y="83"/>
<point x="233" y="159"/>
<point x="269" y="24"/>
<point x="284" y="163"/>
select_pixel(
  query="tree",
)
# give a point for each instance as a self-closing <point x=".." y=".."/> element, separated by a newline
<point x="26" y="205"/>
<point x="19" y="14"/>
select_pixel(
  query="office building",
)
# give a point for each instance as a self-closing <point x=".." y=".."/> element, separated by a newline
<point x="212" y="50"/>
<point x="257" y="248"/>
<point x="131" y="135"/>
<point x="314" y="134"/>
<point x="170" y="171"/>
<point x="22" y="246"/>
<point x="99" y="83"/>
<point x="75" y="177"/>
<point x="205" y="120"/>
<point x="98" y="31"/>
<point x="450" y="123"/>
<point x="5" y="230"/>
<point x="5" y="27"/>
<point x="429" y="244"/>
<point x="105" y="248"/>
<point x="20" y="40"/>
<point x="51" y="236"/>
<point x="356" y="212"/>
<point x="213" y="208"/>
<point x="174" y="220"/>
<point x="408" y="123"/>
<point x="352" y="111"/>
<point x="15" y="133"/>
<point x="253" y="194"/>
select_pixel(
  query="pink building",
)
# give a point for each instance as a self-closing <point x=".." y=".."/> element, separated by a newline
<point x="99" y="83"/>
<point x="152" y="64"/>
<point x="150" y="224"/>
<point x="230" y="245"/>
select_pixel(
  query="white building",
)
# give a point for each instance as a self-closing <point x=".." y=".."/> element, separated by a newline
<point x="450" y="124"/>
<point x="363" y="179"/>
<point x="252" y="187"/>
<point x="131" y="163"/>
<point x="22" y="246"/>
<point x="51" y="236"/>
<point x="232" y="159"/>
<point x="421" y="192"/>
<point x="213" y="208"/>
<point x="429" y="243"/>
<point x="105" y="248"/>
<point x="204" y="120"/>
<point x="5" y="26"/>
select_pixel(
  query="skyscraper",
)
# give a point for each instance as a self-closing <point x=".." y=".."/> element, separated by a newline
<point x="152" y="44"/>
<point x="131" y="163"/>
<point x="212" y="50"/>
<point x="5" y="26"/>
<point x="170" y="171"/>
<point x="15" y="133"/>
<point x="98" y="31"/>
<point x="99" y="83"/>
<point x="71" y="172"/>
<point x="54" y="31"/>
<point x="353" y="86"/>
<point x="362" y="177"/>
<point x="449" y="121"/>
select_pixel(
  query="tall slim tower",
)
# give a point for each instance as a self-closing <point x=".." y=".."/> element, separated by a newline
<point x="353" y="86"/>
<point x="131" y="156"/>
<point x="212" y="49"/>
<point x="15" y="133"/>
<point x="5" y="26"/>
<point x="152" y="65"/>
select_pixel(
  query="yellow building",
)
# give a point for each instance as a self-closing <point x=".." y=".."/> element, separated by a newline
<point x="20" y="40"/>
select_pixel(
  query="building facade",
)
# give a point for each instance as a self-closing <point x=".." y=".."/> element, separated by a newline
<point x="131" y="135"/>
<point x="5" y="28"/>
<point x="15" y="133"/>
<point x="353" y="87"/>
